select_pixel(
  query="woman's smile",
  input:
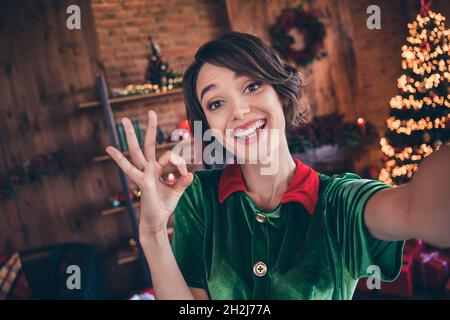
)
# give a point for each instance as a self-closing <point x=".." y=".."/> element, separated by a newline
<point x="249" y="132"/>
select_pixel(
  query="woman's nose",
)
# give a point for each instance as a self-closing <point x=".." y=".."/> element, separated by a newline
<point x="240" y="110"/>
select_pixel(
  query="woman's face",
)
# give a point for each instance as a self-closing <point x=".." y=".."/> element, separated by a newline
<point x="243" y="114"/>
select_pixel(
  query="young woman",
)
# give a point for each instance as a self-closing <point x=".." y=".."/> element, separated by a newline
<point x="290" y="234"/>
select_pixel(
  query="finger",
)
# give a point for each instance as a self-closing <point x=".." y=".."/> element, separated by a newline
<point x="183" y="182"/>
<point x="150" y="137"/>
<point x="175" y="159"/>
<point x="133" y="145"/>
<point x="125" y="165"/>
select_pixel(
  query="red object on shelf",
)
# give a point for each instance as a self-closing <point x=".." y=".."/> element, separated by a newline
<point x="184" y="124"/>
<point x="447" y="289"/>
<point x="436" y="274"/>
<point x="434" y="270"/>
<point x="414" y="248"/>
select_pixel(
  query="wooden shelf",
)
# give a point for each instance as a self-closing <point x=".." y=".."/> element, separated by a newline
<point x="131" y="98"/>
<point x="126" y="255"/>
<point x="129" y="254"/>
<point x="159" y="147"/>
<point x="111" y="211"/>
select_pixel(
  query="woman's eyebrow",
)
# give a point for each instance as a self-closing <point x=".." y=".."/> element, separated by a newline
<point x="206" y="89"/>
<point x="213" y="86"/>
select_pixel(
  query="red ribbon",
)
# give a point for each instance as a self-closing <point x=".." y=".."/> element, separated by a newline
<point x="424" y="8"/>
<point x="425" y="46"/>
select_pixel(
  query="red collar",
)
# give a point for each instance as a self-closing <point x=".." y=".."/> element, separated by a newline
<point x="304" y="188"/>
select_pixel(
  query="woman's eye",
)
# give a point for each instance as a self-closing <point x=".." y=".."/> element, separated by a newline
<point x="214" y="105"/>
<point x="253" y="86"/>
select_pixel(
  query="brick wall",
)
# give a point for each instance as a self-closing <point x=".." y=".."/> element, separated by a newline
<point x="178" y="26"/>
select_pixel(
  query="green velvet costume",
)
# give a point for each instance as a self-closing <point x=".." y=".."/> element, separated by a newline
<point x="314" y="245"/>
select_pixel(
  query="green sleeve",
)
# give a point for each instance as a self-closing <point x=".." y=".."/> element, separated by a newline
<point x="188" y="239"/>
<point x="345" y="199"/>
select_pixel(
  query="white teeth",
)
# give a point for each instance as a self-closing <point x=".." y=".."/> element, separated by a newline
<point x="250" y="131"/>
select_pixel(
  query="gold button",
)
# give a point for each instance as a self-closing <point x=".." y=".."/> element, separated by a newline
<point x="260" y="269"/>
<point x="260" y="217"/>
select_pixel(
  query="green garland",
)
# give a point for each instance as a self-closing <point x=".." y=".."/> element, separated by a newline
<point x="330" y="129"/>
<point x="30" y="171"/>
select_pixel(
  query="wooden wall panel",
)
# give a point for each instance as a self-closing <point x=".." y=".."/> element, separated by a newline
<point x="45" y="71"/>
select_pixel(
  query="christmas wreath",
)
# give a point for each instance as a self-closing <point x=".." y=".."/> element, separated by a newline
<point x="298" y="35"/>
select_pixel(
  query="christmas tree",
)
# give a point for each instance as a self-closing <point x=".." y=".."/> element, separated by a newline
<point x="158" y="71"/>
<point x="419" y="114"/>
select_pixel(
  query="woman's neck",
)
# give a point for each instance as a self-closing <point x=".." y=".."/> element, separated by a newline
<point x="267" y="189"/>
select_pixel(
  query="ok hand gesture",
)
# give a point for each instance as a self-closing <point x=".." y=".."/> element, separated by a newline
<point x="158" y="200"/>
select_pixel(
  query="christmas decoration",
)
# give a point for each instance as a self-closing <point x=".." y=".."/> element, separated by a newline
<point x="184" y="124"/>
<point x="298" y="36"/>
<point x="31" y="170"/>
<point x="331" y="130"/>
<point x="133" y="244"/>
<point x="419" y="113"/>
<point x="157" y="70"/>
<point x="118" y="199"/>
<point x="159" y="78"/>
<point x="182" y="132"/>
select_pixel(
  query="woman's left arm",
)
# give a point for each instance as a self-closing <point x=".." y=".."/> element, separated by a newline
<point x="419" y="209"/>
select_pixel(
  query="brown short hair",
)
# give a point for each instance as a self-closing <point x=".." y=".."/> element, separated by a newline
<point x="247" y="55"/>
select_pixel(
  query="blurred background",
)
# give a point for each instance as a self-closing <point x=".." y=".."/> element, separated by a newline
<point x="376" y="77"/>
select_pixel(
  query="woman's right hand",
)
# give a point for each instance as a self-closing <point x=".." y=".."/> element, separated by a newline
<point x="158" y="200"/>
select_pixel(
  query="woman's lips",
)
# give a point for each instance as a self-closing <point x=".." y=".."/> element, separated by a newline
<point x="249" y="124"/>
<point x="249" y="129"/>
<point x="252" y="136"/>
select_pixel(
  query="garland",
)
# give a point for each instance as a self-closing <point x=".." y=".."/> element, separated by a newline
<point x="307" y="24"/>
<point x="135" y="89"/>
<point x="31" y="170"/>
<point x="331" y="130"/>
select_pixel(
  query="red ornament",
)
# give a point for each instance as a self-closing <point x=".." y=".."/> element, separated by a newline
<point x="184" y="124"/>
<point x="425" y="46"/>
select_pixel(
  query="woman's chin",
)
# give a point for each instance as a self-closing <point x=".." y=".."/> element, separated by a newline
<point x="254" y="157"/>
<point x="251" y="151"/>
